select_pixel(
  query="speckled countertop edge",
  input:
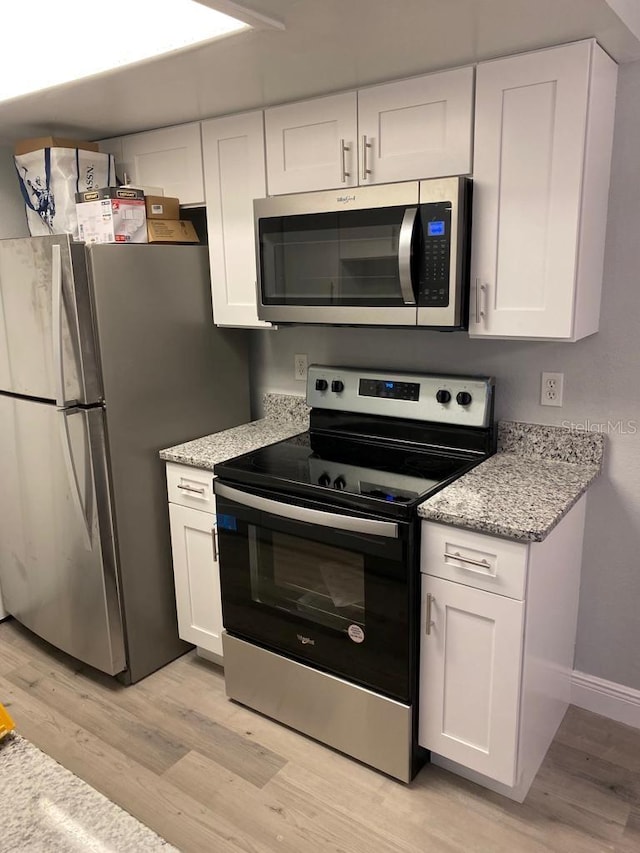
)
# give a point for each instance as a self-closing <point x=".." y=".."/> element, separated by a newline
<point x="286" y="416"/>
<point x="523" y="491"/>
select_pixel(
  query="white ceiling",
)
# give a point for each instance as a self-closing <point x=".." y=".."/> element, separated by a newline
<point x="326" y="45"/>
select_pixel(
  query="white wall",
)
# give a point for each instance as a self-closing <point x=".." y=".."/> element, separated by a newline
<point x="13" y="222"/>
<point x="602" y="385"/>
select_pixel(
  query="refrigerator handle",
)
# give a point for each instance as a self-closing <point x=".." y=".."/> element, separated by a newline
<point x="72" y="474"/>
<point x="56" y="324"/>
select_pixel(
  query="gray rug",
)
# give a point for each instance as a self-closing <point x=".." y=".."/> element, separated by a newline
<point x="45" y="808"/>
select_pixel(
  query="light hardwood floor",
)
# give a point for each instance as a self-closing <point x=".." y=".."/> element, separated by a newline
<point x="209" y="775"/>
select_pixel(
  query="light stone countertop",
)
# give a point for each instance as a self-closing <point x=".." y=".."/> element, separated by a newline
<point x="286" y="416"/>
<point x="523" y="491"/>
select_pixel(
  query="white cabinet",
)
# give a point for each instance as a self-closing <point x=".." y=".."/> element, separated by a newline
<point x="311" y="145"/>
<point x="195" y="559"/>
<point x="233" y="150"/>
<point x="498" y="623"/>
<point x="170" y="158"/>
<point x="473" y="649"/>
<point x="415" y="128"/>
<point x="543" y="137"/>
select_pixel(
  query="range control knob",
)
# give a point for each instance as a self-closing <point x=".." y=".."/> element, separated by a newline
<point x="337" y="385"/>
<point x="324" y="479"/>
<point x="443" y="396"/>
<point x="339" y="483"/>
<point x="321" y="384"/>
<point x="463" y="398"/>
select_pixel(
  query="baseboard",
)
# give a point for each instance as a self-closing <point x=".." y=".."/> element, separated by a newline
<point x="612" y="700"/>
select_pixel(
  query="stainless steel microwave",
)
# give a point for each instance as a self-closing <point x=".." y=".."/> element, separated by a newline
<point x="388" y="255"/>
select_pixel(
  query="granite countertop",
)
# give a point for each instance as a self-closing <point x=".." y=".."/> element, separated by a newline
<point x="521" y="493"/>
<point x="286" y="416"/>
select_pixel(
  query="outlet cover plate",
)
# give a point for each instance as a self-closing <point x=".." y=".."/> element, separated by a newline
<point x="551" y="389"/>
<point x="300" y="367"/>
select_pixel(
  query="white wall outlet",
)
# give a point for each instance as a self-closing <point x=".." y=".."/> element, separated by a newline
<point x="300" y="367"/>
<point x="551" y="389"/>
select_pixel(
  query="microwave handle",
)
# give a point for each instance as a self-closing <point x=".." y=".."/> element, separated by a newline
<point x="404" y="255"/>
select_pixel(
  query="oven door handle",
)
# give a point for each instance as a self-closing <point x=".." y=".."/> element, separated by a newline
<point x="353" y="524"/>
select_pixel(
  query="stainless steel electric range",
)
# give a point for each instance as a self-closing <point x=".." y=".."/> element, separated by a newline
<point x="319" y="544"/>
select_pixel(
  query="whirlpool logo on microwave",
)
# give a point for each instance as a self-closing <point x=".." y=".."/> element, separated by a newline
<point x="306" y="641"/>
<point x="345" y="199"/>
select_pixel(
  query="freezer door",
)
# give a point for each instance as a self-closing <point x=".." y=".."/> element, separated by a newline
<point x="57" y="556"/>
<point x="46" y="332"/>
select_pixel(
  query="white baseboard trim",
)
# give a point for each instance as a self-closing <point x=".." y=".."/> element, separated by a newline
<point x="612" y="700"/>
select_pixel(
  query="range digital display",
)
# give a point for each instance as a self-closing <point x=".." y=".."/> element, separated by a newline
<point x="390" y="390"/>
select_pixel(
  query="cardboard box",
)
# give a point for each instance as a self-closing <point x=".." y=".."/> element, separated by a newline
<point x="25" y="146"/>
<point x="171" y="231"/>
<point x="112" y="215"/>
<point x="162" y="207"/>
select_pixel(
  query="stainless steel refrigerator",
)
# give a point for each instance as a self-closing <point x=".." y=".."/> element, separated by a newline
<point x="107" y="355"/>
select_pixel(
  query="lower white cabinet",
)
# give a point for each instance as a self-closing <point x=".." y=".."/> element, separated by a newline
<point x="498" y="626"/>
<point x="473" y="653"/>
<point x="195" y="557"/>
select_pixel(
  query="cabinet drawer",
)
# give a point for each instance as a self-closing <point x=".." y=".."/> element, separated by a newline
<point x="189" y="486"/>
<point x="473" y="559"/>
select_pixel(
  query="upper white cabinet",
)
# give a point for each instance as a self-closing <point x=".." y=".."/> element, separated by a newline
<point x="311" y="145"/>
<point x="233" y="152"/>
<point x="543" y="137"/>
<point x="414" y="128"/>
<point x="170" y="158"/>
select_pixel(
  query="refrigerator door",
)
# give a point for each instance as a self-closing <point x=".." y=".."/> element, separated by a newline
<point x="46" y="333"/>
<point x="57" y="561"/>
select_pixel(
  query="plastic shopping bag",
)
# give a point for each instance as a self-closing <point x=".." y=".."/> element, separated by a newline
<point x="49" y="180"/>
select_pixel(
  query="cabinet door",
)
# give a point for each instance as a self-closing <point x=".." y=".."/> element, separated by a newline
<point x="170" y="158"/>
<point x="311" y="145"/>
<point x="197" y="577"/>
<point x="470" y="670"/>
<point x="113" y="146"/>
<point x="529" y="172"/>
<point x="233" y="149"/>
<point x="416" y="128"/>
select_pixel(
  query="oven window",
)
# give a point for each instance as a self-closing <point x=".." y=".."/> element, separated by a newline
<point x="320" y="582"/>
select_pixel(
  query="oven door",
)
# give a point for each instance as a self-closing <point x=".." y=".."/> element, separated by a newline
<point x="330" y="589"/>
<point x="339" y="258"/>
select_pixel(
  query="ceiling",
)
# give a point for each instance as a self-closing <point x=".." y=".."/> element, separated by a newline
<point x="326" y="45"/>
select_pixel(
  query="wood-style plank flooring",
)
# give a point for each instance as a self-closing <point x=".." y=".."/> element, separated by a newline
<point x="209" y="775"/>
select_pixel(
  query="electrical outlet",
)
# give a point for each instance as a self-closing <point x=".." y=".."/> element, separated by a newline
<point x="300" y="367"/>
<point x="552" y="387"/>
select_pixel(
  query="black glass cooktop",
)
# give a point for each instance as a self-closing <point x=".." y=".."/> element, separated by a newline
<point x="348" y="472"/>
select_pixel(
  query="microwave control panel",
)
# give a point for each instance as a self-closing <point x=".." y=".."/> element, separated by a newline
<point x="434" y="256"/>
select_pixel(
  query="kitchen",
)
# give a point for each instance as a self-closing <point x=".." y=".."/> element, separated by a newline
<point x="600" y="387"/>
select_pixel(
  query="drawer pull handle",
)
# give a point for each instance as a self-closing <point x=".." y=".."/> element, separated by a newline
<point x="485" y="564"/>
<point x="428" y="621"/>
<point x="191" y="489"/>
